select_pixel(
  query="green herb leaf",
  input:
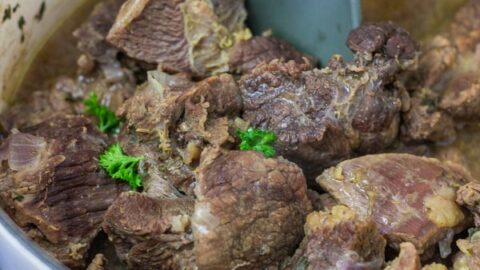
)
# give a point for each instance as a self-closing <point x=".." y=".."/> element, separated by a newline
<point x="107" y="121"/>
<point x="258" y="140"/>
<point x="120" y="166"/>
<point x="471" y="232"/>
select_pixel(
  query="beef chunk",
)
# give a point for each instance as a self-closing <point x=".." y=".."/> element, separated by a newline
<point x="183" y="120"/>
<point x="98" y="263"/>
<point x="152" y="31"/>
<point x="112" y="83"/>
<point x="151" y="234"/>
<point x="408" y="258"/>
<point x="247" y="54"/>
<point x="449" y="65"/>
<point x="339" y="240"/>
<point x="461" y="98"/>
<point x="411" y="198"/>
<point x="156" y="31"/>
<point x="324" y="116"/>
<point x="469" y="196"/>
<point x="249" y="210"/>
<point x="384" y="37"/>
<point x="424" y="122"/>
<point x="92" y="34"/>
<point x="202" y="37"/>
<point x="56" y="192"/>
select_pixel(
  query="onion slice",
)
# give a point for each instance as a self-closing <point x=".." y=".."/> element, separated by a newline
<point x="24" y="151"/>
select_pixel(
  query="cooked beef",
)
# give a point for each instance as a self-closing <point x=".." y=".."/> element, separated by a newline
<point x="245" y="55"/>
<point x="462" y="95"/>
<point x="202" y="37"/>
<point x="152" y="31"/>
<point x="449" y="65"/>
<point x="249" y="210"/>
<point x="408" y="258"/>
<point x="41" y="106"/>
<point x="112" y="83"/>
<point x="383" y="37"/>
<point x="151" y="234"/>
<point x="177" y="121"/>
<point x="57" y="193"/>
<point x="92" y="34"/>
<point x="469" y="196"/>
<point x="324" y="116"/>
<point x="469" y="256"/>
<point x="411" y="198"/>
<point x="424" y="122"/>
<point x="339" y="239"/>
<point x="180" y="35"/>
<point x="98" y="263"/>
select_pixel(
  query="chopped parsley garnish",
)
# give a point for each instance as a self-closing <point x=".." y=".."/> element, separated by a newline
<point x="471" y="232"/>
<point x="107" y="121"/>
<point x="120" y="166"/>
<point x="258" y="140"/>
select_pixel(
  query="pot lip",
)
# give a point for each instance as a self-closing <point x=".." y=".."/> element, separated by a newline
<point x="23" y="244"/>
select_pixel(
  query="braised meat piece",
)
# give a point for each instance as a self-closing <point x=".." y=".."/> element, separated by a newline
<point x="156" y="31"/>
<point x="246" y="55"/>
<point x="54" y="188"/>
<point x="411" y="198"/>
<point x="197" y="36"/>
<point x="92" y="34"/>
<point x="424" y="121"/>
<point x="176" y="119"/>
<point x="408" y="258"/>
<point x="469" y="196"/>
<point x="249" y="210"/>
<point x="150" y="233"/>
<point x="324" y="116"/>
<point x="152" y="31"/>
<point x="449" y="64"/>
<point x="339" y="239"/>
<point x="383" y="37"/>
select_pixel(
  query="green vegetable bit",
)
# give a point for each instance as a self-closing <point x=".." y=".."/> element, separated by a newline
<point x="471" y="232"/>
<point x="107" y="121"/>
<point x="120" y="166"/>
<point x="258" y="140"/>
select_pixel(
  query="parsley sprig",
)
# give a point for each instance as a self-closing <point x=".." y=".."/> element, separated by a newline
<point x="258" y="140"/>
<point x="107" y="121"/>
<point x="120" y="166"/>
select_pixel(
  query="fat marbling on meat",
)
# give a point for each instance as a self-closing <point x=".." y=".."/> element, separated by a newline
<point x="411" y="198"/>
<point x="339" y="239"/>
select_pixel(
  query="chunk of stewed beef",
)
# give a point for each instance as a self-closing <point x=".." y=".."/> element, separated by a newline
<point x="151" y="233"/>
<point x="249" y="210"/>
<point x="411" y="198"/>
<point x="172" y="119"/>
<point x="92" y="33"/>
<point x="469" y="196"/>
<point x="324" y="116"/>
<point x="339" y="239"/>
<point x="54" y="188"/>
